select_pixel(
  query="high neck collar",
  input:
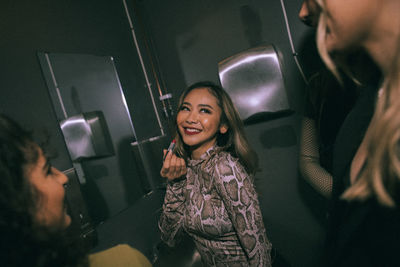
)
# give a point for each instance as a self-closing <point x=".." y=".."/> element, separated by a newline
<point x="206" y="155"/>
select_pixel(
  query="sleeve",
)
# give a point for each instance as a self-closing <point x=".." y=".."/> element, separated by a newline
<point x="312" y="95"/>
<point x="237" y="191"/>
<point x="171" y="219"/>
<point x="309" y="109"/>
<point x="309" y="164"/>
<point x="320" y="86"/>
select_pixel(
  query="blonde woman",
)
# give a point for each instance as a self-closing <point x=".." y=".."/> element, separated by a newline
<point x="365" y="223"/>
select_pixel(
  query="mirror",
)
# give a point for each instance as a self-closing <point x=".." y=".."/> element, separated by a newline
<point x="99" y="133"/>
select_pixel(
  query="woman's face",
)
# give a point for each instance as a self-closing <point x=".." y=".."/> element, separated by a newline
<point x="199" y="120"/>
<point x="49" y="183"/>
<point x="309" y="13"/>
<point x="349" y="22"/>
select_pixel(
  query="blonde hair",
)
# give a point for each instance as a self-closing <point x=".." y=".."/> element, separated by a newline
<point x="380" y="175"/>
<point x="234" y="140"/>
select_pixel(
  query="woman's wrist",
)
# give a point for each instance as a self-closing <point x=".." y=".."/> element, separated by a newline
<point x="176" y="180"/>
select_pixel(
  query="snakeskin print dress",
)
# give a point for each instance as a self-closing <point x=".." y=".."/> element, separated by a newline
<point x="218" y="207"/>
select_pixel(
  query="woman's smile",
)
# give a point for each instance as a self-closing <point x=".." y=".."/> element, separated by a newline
<point x="199" y="121"/>
<point x="191" y="131"/>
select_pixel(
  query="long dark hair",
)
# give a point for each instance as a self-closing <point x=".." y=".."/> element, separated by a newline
<point x="23" y="242"/>
<point x="234" y="140"/>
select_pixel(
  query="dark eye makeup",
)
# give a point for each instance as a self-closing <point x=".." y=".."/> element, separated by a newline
<point x="205" y="110"/>
<point x="184" y="107"/>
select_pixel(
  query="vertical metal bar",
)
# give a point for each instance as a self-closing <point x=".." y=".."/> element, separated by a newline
<point x="53" y="77"/>
<point x="294" y="53"/>
<point x="142" y="65"/>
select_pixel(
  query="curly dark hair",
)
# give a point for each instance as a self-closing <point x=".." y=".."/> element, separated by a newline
<point x="23" y="242"/>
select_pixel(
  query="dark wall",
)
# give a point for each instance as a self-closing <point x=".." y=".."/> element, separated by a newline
<point x="82" y="27"/>
<point x="188" y="39"/>
<point x="89" y="27"/>
<point x="191" y="37"/>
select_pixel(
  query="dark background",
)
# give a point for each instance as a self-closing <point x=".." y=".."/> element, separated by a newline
<point x="183" y="41"/>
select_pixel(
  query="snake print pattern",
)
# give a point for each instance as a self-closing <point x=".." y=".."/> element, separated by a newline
<point x="218" y="207"/>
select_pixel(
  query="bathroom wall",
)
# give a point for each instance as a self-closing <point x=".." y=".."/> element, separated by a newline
<point x="98" y="28"/>
<point x="186" y="39"/>
<point x="190" y="38"/>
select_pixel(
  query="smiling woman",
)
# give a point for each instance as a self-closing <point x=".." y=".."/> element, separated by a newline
<point x="49" y="182"/>
<point x="33" y="218"/>
<point x="32" y="211"/>
<point x="215" y="202"/>
<point x="198" y="121"/>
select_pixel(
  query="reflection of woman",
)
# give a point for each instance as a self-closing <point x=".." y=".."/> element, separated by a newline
<point x="33" y="217"/>
<point x="216" y="204"/>
<point x="365" y="222"/>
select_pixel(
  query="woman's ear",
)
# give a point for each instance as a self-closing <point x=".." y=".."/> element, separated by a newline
<point x="223" y="128"/>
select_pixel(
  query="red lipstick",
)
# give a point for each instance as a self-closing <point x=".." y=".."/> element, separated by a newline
<point x="188" y="132"/>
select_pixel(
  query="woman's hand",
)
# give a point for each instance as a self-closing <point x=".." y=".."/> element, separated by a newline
<point x="173" y="166"/>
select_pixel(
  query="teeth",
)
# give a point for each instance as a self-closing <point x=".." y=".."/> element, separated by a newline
<point x="192" y="130"/>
